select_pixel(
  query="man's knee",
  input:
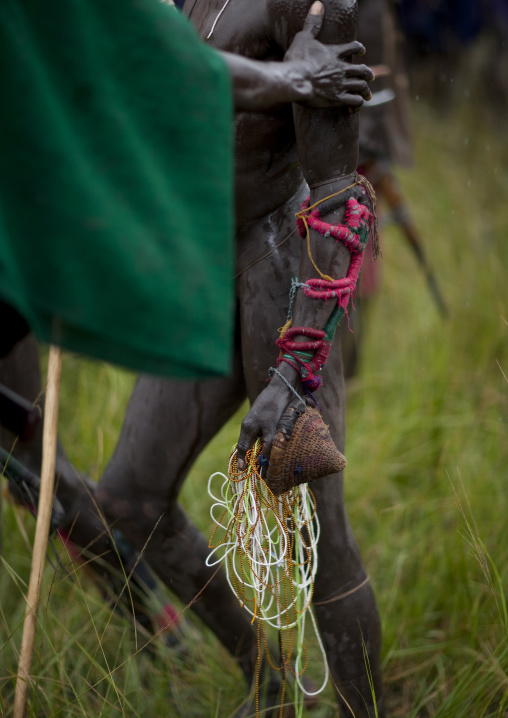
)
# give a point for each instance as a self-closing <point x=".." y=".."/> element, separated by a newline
<point x="140" y="515"/>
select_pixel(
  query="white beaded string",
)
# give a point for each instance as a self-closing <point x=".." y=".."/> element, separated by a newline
<point x="216" y="20"/>
<point x="254" y="547"/>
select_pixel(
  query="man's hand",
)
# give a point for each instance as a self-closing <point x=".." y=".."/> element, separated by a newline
<point x="334" y="80"/>
<point x="312" y="74"/>
<point x="264" y="415"/>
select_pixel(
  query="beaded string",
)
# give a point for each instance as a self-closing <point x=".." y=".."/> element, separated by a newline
<point x="216" y="19"/>
<point x="268" y="547"/>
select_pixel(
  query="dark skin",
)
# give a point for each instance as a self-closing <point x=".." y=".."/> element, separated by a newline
<point x="168" y="423"/>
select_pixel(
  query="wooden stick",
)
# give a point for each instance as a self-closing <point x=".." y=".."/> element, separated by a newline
<point x="49" y="438"/>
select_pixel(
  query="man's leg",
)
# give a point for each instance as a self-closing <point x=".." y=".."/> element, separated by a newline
<point x="167" y="425"/>
<point x="20" y="371"/>
<point x="343" y="598"/>
<point x="82" y="523"/>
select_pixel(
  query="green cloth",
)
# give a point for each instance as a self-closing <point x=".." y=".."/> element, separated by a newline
<point x="116" y="211"/>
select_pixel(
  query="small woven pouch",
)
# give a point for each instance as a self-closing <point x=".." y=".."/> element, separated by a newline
<point x="303" y="449"/>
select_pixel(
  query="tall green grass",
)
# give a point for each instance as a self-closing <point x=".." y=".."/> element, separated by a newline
<point x="427" y="429"/>
<point x="426" y="482"/>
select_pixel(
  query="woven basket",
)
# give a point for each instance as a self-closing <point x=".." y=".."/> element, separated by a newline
<point x="303" y="449"/>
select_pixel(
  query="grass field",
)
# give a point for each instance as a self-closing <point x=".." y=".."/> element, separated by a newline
<point x="426" y="483"/>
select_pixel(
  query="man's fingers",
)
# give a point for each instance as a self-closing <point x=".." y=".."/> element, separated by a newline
<point x="359" y="87"/>
<point x="248" y="434"/>
<point x="314" y="19"/>
<point x="354" y="102"/>
<point x="267" y="449"/>
<point x="351" y="48"/>
<point x="360" y="71"/>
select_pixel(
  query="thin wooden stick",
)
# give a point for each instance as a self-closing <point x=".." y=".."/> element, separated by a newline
<point x="49" y="438"/>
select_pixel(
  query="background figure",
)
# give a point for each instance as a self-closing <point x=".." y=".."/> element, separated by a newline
<point x="456" y="50"/>
<point x="385" y="142"/>
<point x="438" y="35"/>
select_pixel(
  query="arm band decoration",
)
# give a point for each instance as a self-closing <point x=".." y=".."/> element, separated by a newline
<point x="308" y="357"/>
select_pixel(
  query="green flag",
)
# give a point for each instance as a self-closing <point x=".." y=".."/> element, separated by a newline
<point x="116" y="216"/>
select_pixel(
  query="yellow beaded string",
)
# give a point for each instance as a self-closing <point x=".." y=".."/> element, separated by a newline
<point x="268" y="546"/>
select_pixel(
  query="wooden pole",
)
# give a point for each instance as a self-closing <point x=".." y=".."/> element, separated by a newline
<point x="49" y="439"/>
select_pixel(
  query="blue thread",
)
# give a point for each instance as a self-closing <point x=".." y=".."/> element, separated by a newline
<point x="311" y="395"/>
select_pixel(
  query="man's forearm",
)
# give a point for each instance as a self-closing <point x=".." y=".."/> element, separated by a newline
<point x="260" y="85"/>
<point x="328" y="148"/>
<point x="332" y="258"/>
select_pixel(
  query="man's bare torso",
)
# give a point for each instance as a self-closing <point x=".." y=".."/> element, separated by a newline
<point x="267" y="170"/>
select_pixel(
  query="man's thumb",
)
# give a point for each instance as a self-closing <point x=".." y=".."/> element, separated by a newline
<point x="314" y="18"/>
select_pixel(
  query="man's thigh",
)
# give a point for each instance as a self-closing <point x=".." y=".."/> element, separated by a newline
<point x="167" y="424"/>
